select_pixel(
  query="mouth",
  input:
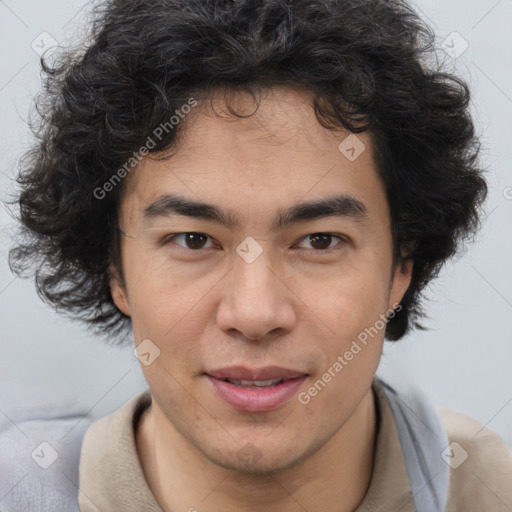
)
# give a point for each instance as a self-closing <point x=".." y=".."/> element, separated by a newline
<point x="255" y="390"/>
<point x="254" y="383"/>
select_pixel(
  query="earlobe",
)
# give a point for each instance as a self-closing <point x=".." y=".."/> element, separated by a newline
<point x="401" y="281"/>
<point x="118" y="292"/>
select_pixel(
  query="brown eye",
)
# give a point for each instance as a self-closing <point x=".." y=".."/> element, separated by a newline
<point x="321" y="241"/>
<point x="192" y="241"/>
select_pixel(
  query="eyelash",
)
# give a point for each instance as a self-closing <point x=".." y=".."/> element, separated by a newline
<point x="170" y="238"/>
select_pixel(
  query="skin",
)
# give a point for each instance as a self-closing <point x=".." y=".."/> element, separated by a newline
<point x="293" y="307"/>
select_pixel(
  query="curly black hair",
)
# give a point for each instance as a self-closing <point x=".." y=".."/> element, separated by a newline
<point x="370" y="65"/>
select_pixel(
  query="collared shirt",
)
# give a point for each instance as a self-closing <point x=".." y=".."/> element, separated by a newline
<point x="111" y="477"/>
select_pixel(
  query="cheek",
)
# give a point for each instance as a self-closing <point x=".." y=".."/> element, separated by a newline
<point x="159" y="294"/>
<point x="350" y="310"/>
<point x="350" y="300"/>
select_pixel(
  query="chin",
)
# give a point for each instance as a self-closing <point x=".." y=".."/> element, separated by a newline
<point x="252" y="461"/>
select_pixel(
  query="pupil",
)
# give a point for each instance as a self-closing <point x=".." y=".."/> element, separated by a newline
<point x="192" y="240"/>
<point x="323" y="239"/>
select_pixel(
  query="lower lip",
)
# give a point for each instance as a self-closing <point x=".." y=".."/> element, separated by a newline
<point x="256" y="399"/>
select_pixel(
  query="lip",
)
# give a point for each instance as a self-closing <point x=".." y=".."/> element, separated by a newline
<point x="253" y="399"/>
<point x="264" y="373"/>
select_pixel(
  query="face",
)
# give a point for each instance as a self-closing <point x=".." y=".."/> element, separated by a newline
<point x="262" y="284"/>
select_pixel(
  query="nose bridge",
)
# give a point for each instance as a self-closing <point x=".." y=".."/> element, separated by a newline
<point x="252" y="275"/>
<point x="254" y="300"/>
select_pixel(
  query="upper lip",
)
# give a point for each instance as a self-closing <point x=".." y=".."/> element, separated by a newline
<point x="265" y="373"/>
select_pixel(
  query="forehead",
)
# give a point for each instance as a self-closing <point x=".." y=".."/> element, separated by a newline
<point x="279" y="154"/>
<point x="280" y="121"/>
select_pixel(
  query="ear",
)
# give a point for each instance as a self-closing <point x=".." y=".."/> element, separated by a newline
<point x="401" y="280"/>
<point x="118" y="290"/>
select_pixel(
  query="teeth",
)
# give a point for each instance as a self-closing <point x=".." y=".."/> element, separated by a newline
<point x="254" y="383"/>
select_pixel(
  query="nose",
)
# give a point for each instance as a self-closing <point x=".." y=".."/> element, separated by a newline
<point x="256" y="301"/>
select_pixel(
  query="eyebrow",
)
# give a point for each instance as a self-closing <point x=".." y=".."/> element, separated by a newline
<point x="343" y="206"/>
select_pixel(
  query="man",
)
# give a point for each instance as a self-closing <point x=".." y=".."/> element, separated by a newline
<point x="259" y="191"/>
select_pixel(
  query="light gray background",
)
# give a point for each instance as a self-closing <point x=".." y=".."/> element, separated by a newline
<point x="464" y="361"/>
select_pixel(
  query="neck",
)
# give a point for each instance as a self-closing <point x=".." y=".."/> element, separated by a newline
<point x="335" y="477"/>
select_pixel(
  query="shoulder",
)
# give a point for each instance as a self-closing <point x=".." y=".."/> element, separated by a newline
<point x="40" y="451"/>
<point x="480" y="465"/>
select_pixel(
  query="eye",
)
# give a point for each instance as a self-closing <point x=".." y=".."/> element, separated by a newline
<point x="322" y="241"/>
<point x="193" y="241"/>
